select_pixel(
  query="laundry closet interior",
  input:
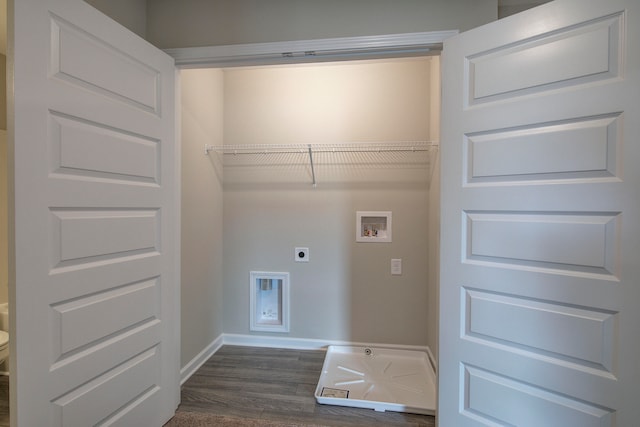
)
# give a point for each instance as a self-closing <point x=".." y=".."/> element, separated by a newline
<point x="282" y="157"/>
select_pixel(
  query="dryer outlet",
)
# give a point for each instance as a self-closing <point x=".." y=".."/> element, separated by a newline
<point x="301" y="254"/>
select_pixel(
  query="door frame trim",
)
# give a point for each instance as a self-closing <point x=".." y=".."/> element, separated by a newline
<point x="315" y="50"/>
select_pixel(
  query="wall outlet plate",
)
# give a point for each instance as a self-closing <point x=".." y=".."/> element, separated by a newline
<point x="396" y="267"/>
<point x="301" y="254"/>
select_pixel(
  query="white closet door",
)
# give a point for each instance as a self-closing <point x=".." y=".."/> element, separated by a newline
<point x="540" y="288"/>
<point x="96" y="295"/>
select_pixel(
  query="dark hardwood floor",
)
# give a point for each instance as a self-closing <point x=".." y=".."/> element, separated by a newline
<point x="4" y="401"/>
<point x="266" y="386"/>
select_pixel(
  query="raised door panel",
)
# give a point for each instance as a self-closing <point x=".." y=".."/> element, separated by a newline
<point x="83" y="59"/>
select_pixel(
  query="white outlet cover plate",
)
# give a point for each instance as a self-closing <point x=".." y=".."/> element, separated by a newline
<point x="396" y="267"/>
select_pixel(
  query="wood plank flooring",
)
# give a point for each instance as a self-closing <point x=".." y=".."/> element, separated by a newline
<point x="266" y="385"/>
<point x="4" y="401"/>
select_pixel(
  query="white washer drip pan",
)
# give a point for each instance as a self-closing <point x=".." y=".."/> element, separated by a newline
<point x="378" y="378"/>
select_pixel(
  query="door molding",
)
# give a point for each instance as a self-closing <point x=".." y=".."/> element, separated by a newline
<point x="315" y="50"/>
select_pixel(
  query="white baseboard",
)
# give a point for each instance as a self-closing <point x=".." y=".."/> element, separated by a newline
<point x="274" y="342"/>
<point x="195" y="363"/>
<point x="280" y="342"/>
<point x="432" y="359"/>
<point x="305" y="343"/>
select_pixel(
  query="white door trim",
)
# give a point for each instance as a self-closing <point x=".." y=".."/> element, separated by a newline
<point x="316" y="50"/>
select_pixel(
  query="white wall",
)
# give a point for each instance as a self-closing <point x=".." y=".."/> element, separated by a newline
<point x="512" y="7"/>
<point x="132" y="14"/>
<point x="331" y="102"/>
<point x="201" y="273"/>
<point x="346" y="291"/>
<point x="354" y="311"/>
<point x="4" y="221"/>
<point x="4" y="201"/>
<point x="187" y="23"/>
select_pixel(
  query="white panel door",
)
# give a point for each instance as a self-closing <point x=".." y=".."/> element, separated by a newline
<point x="540" y="271"/>
<point x="96" y="285"/>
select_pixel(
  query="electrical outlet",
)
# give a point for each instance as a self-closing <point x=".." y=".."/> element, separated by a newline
<point x="301" y="254"/>
<point x="396" y="267"/>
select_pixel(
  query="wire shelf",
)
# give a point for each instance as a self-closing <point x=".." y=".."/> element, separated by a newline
<point x="316" y="154"/>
